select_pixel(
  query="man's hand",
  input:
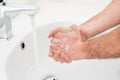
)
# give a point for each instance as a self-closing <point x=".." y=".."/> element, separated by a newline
<point x="66" y="44"/>
<point x="69" y="46"/>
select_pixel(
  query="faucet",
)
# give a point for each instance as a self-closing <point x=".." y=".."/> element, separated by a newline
<point x="5" y="17"/>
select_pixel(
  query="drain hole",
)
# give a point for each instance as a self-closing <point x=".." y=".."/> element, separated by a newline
<point x="54" y="79"/>
<point x="49" y="77"/>
<point x="22" y="45"/>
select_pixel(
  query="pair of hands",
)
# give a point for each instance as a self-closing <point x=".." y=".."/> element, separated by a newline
<point x="67" y="44"/>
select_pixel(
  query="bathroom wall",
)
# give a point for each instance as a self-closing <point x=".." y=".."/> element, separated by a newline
<point x="87" y="2"/>
<point x="22" y="1"/>
<point x="83" y="2"/>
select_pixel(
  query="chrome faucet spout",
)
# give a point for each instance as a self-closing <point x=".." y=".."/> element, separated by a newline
<point x="7" y="11"/>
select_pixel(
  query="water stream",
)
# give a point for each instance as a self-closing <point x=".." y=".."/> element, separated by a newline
<point x="35" y="41"/>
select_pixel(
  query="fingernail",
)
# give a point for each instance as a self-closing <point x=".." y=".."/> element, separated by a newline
<point x="50" y="54"/>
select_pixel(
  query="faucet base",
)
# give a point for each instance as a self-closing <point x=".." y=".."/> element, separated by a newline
<point x="4" y="34"/>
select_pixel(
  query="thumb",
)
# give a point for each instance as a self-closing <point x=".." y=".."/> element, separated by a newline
<point x="83" y="37"/>
<point x="74" y="27"/>
<point x="54" y="31"/>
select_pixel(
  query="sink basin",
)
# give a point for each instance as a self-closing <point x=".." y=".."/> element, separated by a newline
<point x="21" y="63"/>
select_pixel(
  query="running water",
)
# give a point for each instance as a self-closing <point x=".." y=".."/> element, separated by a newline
<point x="37" y="71"/>
<point x="35" y="41"/>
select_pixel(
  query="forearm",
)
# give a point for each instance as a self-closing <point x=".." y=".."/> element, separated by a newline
<point x="106" y="19"/>
<point x="106" y="46"/>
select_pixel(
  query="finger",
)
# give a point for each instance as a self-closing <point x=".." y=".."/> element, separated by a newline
<point x="53" y="46"/>
<point x="83" y="37"/>
<point x="54" y="54"/>
<point x="51" y="54"/>
<point x="54" y="31"/>
<point x="57" y="44"/>
<point x="56" y="51"/>
<point x="62" y="58"/>
<point x="57" y="56"/>
<point x="55" y="40"/>
<point x="67" y="58"/>
<point x="74" y="27"/>
<point x="59" y="35"/>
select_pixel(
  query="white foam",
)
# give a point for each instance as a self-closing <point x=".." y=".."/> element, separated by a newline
<point x="67" y="48"/>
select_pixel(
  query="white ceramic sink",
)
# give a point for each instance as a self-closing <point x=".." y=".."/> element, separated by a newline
<point x="21" y="63"/>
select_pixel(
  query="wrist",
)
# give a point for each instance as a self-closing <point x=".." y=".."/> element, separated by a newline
<point x="84" y="51"/>
<point x="83" y="32"/>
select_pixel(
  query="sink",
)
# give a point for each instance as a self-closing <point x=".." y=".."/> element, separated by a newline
<point x="21" y="63"/>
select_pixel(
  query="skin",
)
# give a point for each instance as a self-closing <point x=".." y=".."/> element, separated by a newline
<point x="103" y="21"/>
<point x="68" y="45"/>
<point x="77" y="38"/>
<point x="106" y="46"/>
